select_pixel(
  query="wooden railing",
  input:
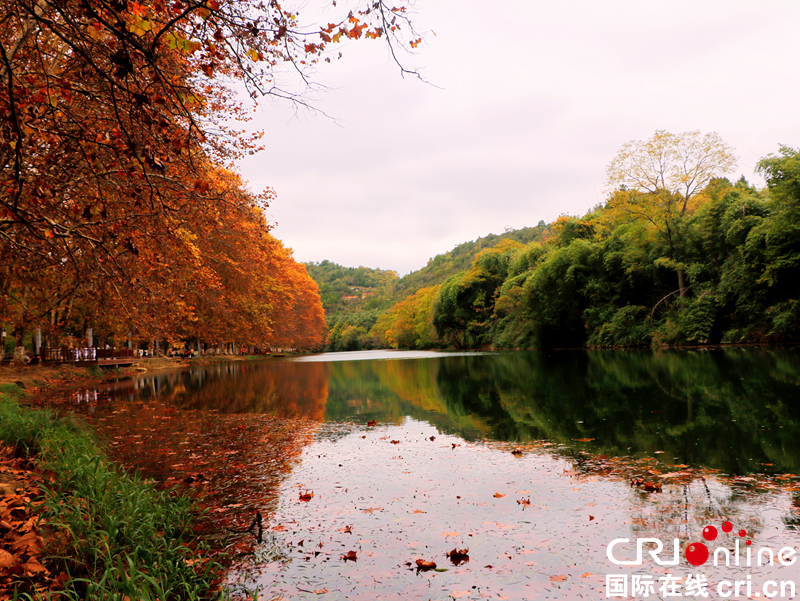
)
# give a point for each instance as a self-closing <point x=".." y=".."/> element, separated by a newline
<point x="75" y="355"/>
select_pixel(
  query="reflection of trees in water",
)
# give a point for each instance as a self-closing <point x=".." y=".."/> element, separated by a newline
<point x="234" y="464"/>
<point x="228" y="434"/>
<point x="732" y="410"/>
<point x="724" y="409"/>
<point x="284" y="389"/>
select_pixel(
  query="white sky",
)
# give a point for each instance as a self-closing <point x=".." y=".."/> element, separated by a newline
<point x="532" y="100"/>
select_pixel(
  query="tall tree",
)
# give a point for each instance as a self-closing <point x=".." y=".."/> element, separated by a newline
<point x="655" y="181"/>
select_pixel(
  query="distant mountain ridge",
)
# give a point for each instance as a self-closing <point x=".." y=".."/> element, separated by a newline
<point x="355" y="298"/>
<point x="352" y="289"/>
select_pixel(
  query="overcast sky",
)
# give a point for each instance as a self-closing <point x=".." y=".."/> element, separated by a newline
<point x="530" y="102"/>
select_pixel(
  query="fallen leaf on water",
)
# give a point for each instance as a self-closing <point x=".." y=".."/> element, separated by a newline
<point x="395" y="442"/>
<point x="372" y="422"/>
<point x="498" y="495"/>
<point x="459" y="594"/>
<point x="306" y="496"/>
<point x="372" y="509"/>
<point x="674" y="474"/>
<point x="584" y="439"/>
<point x="558" y="578"/>
<point x="350" y="556"/>
<point x="423" y="565"/>
<point x="516" y="451"/>
<point x="449" y="533"/>
<point x="347" y="529"/>
<point x="458" y="556"/>
<point x="591" y="517"/>
<point x="418" y="511"/>
<point x="321" y="591"/>
<point x="524" y="502"/>
<point x="587" y="575"/>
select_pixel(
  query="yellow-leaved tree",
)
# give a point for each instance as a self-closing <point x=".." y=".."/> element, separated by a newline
<point x="654" y="181"/>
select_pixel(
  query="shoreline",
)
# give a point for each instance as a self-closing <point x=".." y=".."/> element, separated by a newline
<point x="70" y="505"/>
<point x="45" y="376"/>
<point x="35" y="378"/>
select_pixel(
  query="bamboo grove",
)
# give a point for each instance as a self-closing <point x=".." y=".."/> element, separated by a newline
<point x="119" y="208"/>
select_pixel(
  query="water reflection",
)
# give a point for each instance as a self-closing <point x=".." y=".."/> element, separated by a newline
<point x="736" y="410"/>
<point x="437" y="471"/>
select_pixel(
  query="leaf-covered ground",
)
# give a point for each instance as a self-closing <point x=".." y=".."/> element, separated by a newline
<point x="21" y="541"/>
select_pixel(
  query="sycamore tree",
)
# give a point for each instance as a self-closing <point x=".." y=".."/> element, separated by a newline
<point x="116" y="116"/>
<point x="654" y="182"/>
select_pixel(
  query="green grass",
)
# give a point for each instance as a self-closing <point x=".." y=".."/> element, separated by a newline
<point x="114" y="534"/>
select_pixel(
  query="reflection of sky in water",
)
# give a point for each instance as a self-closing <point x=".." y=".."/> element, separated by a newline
<point x="383" y="354"/>
<point x="421" y="498"/>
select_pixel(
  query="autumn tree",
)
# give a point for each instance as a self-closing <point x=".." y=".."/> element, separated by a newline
<point x="112" y="115"/>
<point x="654" y="181"/>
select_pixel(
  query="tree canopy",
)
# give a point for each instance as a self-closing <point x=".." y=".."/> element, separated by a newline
<point x="118" y="126"/>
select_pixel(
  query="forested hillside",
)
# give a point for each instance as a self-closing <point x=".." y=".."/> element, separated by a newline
<point x="355" y="298"/>
<point x="676" y="255"/>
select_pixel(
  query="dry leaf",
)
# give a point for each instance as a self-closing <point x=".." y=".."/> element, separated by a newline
<point x="423" y="565"/>
<point x="350" y="556"/>
<point x="33" y="567"/>
<point x="558" y="578"/>
<point x="7" y="560"/>
<point x="498" y="495"/>
<point x="29" y="544"/>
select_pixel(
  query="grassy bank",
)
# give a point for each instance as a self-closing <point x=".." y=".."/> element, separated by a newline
<point x="114" y="535"/>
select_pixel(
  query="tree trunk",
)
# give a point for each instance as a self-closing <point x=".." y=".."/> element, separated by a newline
<point x="681" y="283"/>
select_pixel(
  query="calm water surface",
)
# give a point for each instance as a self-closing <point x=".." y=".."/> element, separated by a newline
<point x="716" y="430"/>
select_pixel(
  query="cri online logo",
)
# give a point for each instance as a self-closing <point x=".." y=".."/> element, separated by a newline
<point x="697" y="553"/>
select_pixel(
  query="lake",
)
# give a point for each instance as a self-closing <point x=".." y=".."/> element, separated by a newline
<point x="368" y="467"/>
